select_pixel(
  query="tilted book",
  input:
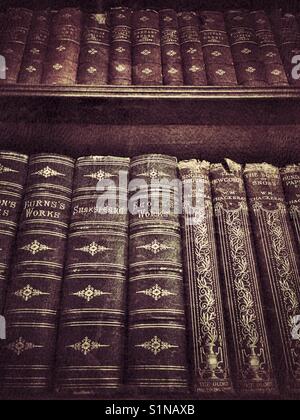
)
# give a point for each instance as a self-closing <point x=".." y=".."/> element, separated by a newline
<point x="92" y="324"/>
<point x="278" y="266"/>
<point x="253" y="370"/>
<point x="206" y="329"/>
<point x="13" y="172"/>
<point x="32" y="304"/>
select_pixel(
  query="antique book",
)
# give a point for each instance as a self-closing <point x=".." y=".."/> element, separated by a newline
<point x="245" y="50"/>
<point x="170" y="48"/>
<point x="120" y="67"/>
<point x="146" y="52"/>
<point x="269" y="52"/>
<point x="252" y="364"/>
<point x="13" y="172"/>
<point x="92" y="322"/>
<point x="206" y="329"/>
<point x="290" y="176"/>
<point x="13" y="41"/>
<point x="191" y="49"/>
<point x="31" y="71"/>
<point x="94" y="53"/>
<point x="32" y="302"/>
<point x="278" y="265"/>
<point x="61" y="63"/>
<point x="156" y="346"/>
<point x="216" y="49"/>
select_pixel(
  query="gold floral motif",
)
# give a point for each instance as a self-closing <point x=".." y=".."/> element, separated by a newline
<point x="250" y="69"/>
<point x="30" y="69"/>
<point x="156" y="292"/>
<point x="147" y="71"/>
<point x="48" y="172"/>
<point x="270" y="54"/>
<point x="86" y="346"/>
<point x="21" y="345"/>
<point x="154" y="174"/>
<point x="194" y="69"/>
<point x="155" y="247"/>
<point x="168" y="19"/>
<point x="120" y="50"/>
<point x="191" y="51"/>
<point x="92" y="51"/>
<point x="90" y="293"/>
<point x="144" y="19"/>
<point x="92" y="70"/>
<point x="5" y="169"/>
<point x="100" y="18"/>
<point x="220" y="72"/>
<point x="156" y="345"/>
<point x="35" y="51"/>
<point x="171" y="53"/>
<point x="28" y="292"/>
<point x="172" y="70"/>
<point x="61" y="48"/>
<point x="99" y="175"/>
<point x="93" y="249"/>
<point x="216" y="53"/>
<point x="35" y="247"/>
<point x="145" y="52"/>
<point x="246" y="51"/>
<point x="57" y="66"/>
<point x="120" y="68"/>
<point x="276" y="72"/>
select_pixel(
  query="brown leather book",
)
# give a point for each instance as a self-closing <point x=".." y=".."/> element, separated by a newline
<point x="278" y="263"/>
<point x="249" y="344"/>
<point x="14" y="37"/>
<point x="216" y="49"/>
<point x="191" y="49"/>
<point x="32" y="303"/>
<point x="206" y="328"/>
<point x="120" y="68"/>
<point x="31" y="71"/>
<point x="90" y="349"/>
<point x="61" y="63"/>
<point x="94" y="54"/>
<point x="147" y="62"/>
<point x="170" y="48"/>
<point x="13" y="172"/>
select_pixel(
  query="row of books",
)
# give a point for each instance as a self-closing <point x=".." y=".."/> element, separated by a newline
<point x="148" y="47"/>
<point x="99" y="296"/>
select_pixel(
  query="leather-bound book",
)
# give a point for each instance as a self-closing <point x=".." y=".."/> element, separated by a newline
<point x="206" y="328"/>
<point x="120" y="67"/>
<point x="290" y="176"/>
<point x="147" y="62"/>
<point x="61" y="63"/>
<point x="13" y="171"/>
<point x="269" y="52"/>
<point x="191" y="49"/>
<point x="32" y="301"/>
<point x="156" y="349"/>
<point x="216" y="49"/>
<point x="31" y="71"/>
<point x="245" y="50"/>
<point x="14" y="37"/>
<point x="253" y="371"/>
<point x="170" y="48"/>
<point x="94" y="54"/>
<point x="278" y="265"/>
<point x="92" y="324"/>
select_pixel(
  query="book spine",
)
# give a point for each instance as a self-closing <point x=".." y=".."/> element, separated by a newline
<point x="245" y="49"/>
<point x="36" y="49"/>
<point x="156" y="354"/>
<point x="147" y="62"/>
<point x="32" y="303"/>
<point x="170" y="48"/>
<point x="92" y="323"/>
<point x="191" y="49"/>
<point x="94" y="54"/>
<point x="290" y="176"/>
<point x="278" y="265"/>
<point x="253" y="371"/>
<point x="121" y="45"/>
<point x="269" y="52"/>
<point x="206" y="328"/>
<point x="62" y="58"/>
<point x="14" y="40"/>
<point x="216" y="49"/>
<point x="13" y="172"/>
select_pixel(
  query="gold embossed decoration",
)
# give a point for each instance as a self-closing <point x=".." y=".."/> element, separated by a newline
<point x="5" y="169"/>
<point x="48" y="172"/>
<point x="99" y="175"/>
<point x="28" y="292"/>
<point x="35" y="247"/>
<point x="21" y="345"/>
<point x="155" y="247"/>
<point x="156" y="345"/>
<point x="86" y="346"/>
<point x="156" y="292"/>
<point x="93" y="249"/>
<point x="90" y="293"/>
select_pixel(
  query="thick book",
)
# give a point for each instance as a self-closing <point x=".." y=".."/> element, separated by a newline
<point x="191" y="49"/>
<point x="156" y="346"/>
<point x="146" y="51"/>
<point x="206" y="328"/>
<point x="61" y="63"/>
<point x="245" y="50"/>
<point x="14" y="37"/>
<point x="269" y="52"/>
<point x="250" y="349"/>
<point x="216" y="49"/>
<point x="278" y="266"/>
<point x="94" y="53"/>
<point x="120" y="66"/>
<point x="13" y="172"/>
<point x="290" y="176"/>
<point x="31" y="70"/>
<point x="32" y="301"/>
<point x="170" y="48"/>
<point x="90" y="348"/>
